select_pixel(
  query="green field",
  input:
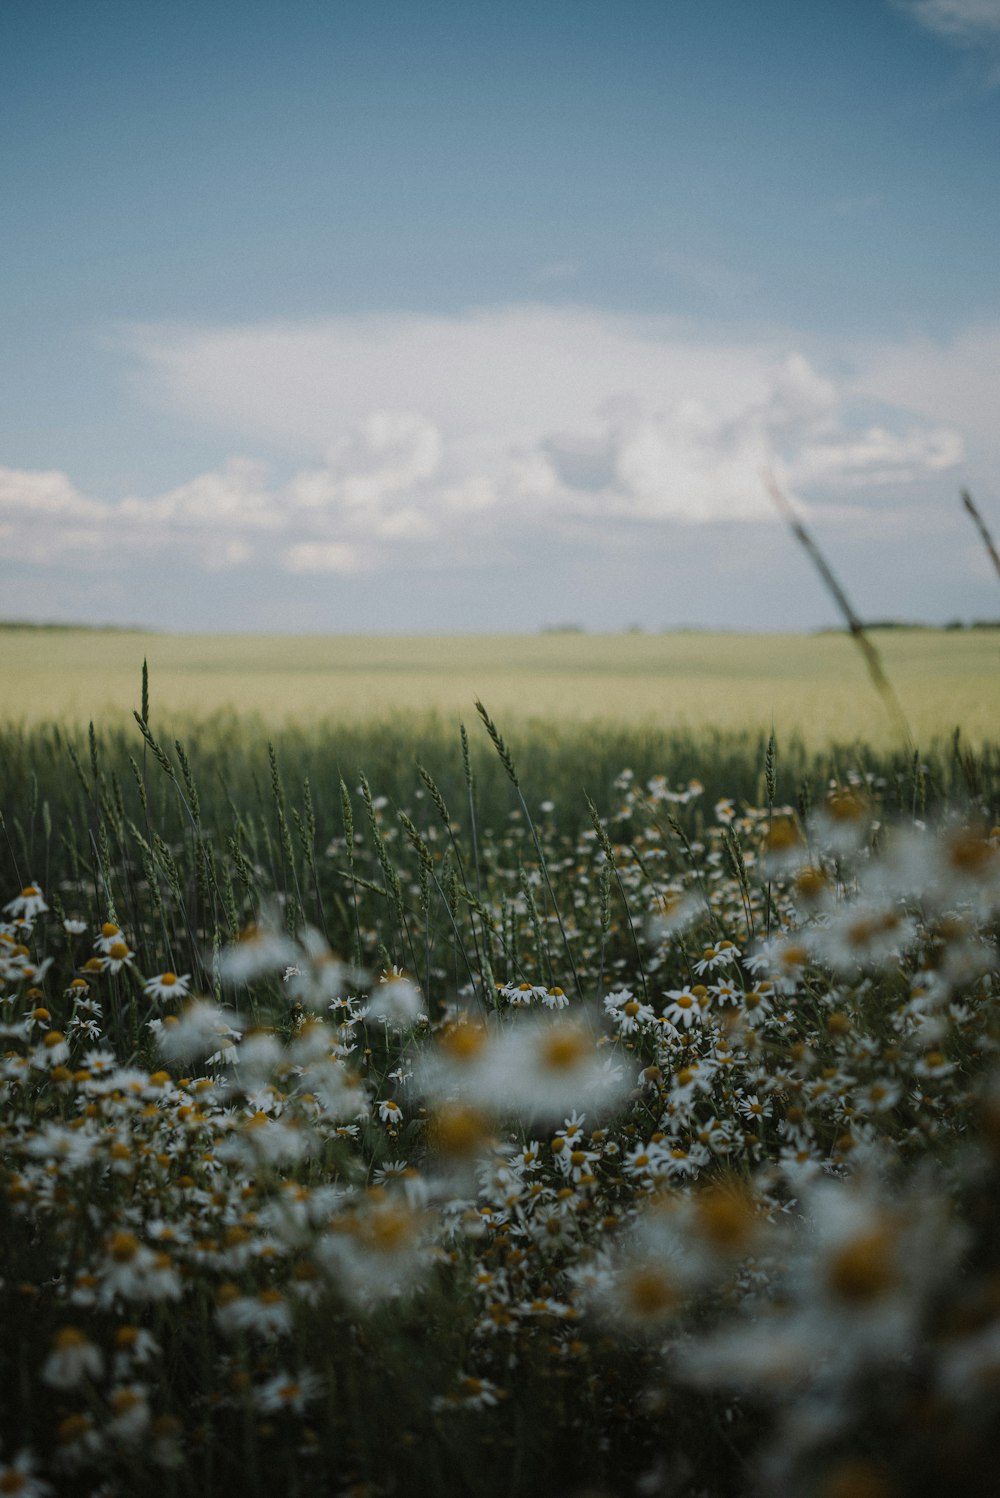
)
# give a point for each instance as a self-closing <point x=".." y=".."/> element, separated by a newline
<point x="643" y="1126"/>
<point x="812" y="685"/>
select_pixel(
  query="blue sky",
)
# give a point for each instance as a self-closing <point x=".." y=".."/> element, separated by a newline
<point x="381" y="316"/>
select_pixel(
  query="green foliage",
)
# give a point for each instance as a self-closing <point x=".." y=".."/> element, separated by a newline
<point x="402" y="845"/>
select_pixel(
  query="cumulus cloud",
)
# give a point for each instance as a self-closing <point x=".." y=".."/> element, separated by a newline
<point x="447" y="441"/>
<point x="209" y="521"/>
<point x="236" y="495"/>
<point x="46" y="493"/>
<point x="952" y="380"/>
<point x="44" y="518"/>
<point x="515" y="371"/>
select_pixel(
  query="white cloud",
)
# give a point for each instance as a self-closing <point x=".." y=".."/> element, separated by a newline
<point x="949" y="380"/>
<point x="237" y="495"/>
<point x="449" y="441"/>
<point x="963" y="20"/>
<point x="500" y="402"/>
<point x="321" y="556"/>
<point x="880" y="457"/>
<point x="45" y="519"/>
<point x="521" y="371"/>
<point x="386" y="455"/>
<point x="46" y="493"/>
<point x="973" y="25"/>
<point x="208" y="521"/>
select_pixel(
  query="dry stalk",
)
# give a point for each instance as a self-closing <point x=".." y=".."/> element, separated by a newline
<point x="980" y="523"/>
<point x="872" y="658"/>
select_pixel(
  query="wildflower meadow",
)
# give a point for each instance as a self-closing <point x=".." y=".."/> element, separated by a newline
<point x="586" y="1113"/>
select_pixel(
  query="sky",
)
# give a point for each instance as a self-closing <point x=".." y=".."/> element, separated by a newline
<point x="361" y="316"/>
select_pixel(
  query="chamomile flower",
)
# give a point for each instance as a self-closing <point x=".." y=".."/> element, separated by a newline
<point x="117" y="954"/>
<point x="128" y="1405"/>
<point x="396" y="1001"/>
<point x="521" y="995"/>
<point x="478" y="1393"/>
<point x="267" y="1315"/>
<point x="26" y="906"/>
<point x="671" y="913"/>
<point x="109" y="934"/>
<point x="378" y="1250"/>
<point x="20" y="1477"/>
<point x="167" y="986"/>
<point x="542" y="1068"/>
<point x="626" y="1011"/>
<point x="201" y="1027"/>
<point x="712" y="958"/>
<point x="684" y="1010"/>
<point x="259" y="950"/>
<point x="289" y="1392"/>
<point x="73" y="1359"/>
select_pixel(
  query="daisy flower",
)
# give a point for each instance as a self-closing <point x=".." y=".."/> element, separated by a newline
<point x="29" y="903"/>
<point x="167" y="986"/>
<point x="288" y="1391"/>
<point x="627" y="1012"/>
<point x="118" y="954"/>
<point x="201" y="1027"/>
<point x="714" y="957"/>
<point x="267" y="1314"/>
<point x="19" y="1477"/>
<point x="396" y="1001"/>
<point x="73" y="1358"/>
<point x="258" y="950"/>
<point x="130" y="1414"/>
<point x="683" y="1009"/>
<point x="107" y="936"/>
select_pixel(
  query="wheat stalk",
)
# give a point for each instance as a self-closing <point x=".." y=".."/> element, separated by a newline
<point x="872" y="658"/>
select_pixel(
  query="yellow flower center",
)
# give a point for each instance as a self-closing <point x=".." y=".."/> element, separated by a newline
<point x="649" y="1292"/>
<point x="123" y="1247"/>
<point x="67" y="1337"/>
<point x="563" y="1049"/>
<point x="71" y="1429"/>
<point x="862" y="1269"/>
<point x="463" y="1043"/>
<point x="725" y="1218"/>
<point x="457" y="1129"/>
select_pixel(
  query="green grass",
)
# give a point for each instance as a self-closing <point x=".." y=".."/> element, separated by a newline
<point x="327" y="783"/>
<point x="218" y="820"/>
<point x="811" y="686"/>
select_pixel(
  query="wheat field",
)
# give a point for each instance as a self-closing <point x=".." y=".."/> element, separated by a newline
<point x="814" y="685"/>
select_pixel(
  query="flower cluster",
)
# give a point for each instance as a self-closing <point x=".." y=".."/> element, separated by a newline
<point x="748" y="1151"/>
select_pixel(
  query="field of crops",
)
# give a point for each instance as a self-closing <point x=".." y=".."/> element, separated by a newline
<point x="812" y="685"/>
<point x="567" y="1107"/>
